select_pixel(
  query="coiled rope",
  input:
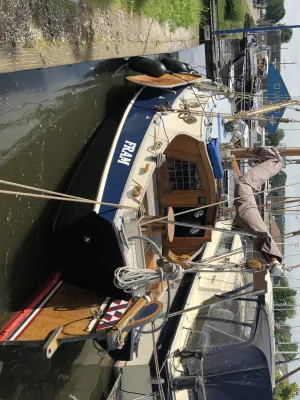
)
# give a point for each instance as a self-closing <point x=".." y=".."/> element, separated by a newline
<point x="130" y="278"/>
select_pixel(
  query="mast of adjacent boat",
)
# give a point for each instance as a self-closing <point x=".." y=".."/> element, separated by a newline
<point x="242" y="153"/>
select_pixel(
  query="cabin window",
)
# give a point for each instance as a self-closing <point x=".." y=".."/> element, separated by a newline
<point x="225" y="244"/>
<point x="218" y="328"/>
<point x="277" y="96"/>
<point x="277" y="86"/>
<point x="183" y="175"/>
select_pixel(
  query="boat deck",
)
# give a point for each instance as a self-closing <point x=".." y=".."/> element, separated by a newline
<point x="59" y="305"/>
<point x="141" y="254"/>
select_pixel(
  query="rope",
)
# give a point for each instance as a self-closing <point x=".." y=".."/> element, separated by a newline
<point x="130" y="279"/>
<point x="36" y="189"/>
<point x="160" y="159"/>
<point x="56" y="196"/>
<point x="210" y="115"/>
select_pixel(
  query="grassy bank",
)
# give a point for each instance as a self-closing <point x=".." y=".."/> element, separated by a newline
<point x="178" y="13"/>
<point x="231" y="14"/>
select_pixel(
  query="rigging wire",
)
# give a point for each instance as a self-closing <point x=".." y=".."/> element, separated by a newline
<point x="160" y="387"/>
<point x="216" y="204"/>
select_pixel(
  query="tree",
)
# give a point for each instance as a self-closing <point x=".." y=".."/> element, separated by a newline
<point x="284" y="296"/>
<point x="286" y="34"/>
<point x="279" y="179"/>
<point x="276" y="138"/>
<point x="284" y="335"/>
<point x="288" y="347"/>
<point x="275" y="10"/>
<point x="286" y="391"/>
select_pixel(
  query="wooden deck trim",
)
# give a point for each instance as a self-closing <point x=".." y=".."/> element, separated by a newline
<point x="12" y="324"/>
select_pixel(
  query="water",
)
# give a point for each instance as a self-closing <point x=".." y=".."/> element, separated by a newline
<point x="46" y="120"/>
<point x="229" y="50"/>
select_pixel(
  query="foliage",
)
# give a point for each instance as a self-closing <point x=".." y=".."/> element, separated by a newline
<point x="281" y="226"/>
<point x="232" y="13"/>
<point x="282" y="297"/>
<point x="286" y="390"/>
<point x="279" y="179"/>
<point x="284" y="282"/>
<point x="286" y="295"/>
<point x="249" y="21"/>
<point x="276" y="138"/>
<point x="288" y="347"/>
<point x="185" y="13"/>
<point x="232" y="9"/>
<point x="286" y="34"/>
<point x="275" y="10"/>
<point x="284" y="333"/>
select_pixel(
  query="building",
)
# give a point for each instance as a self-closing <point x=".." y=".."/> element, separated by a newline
<point x="273" y="86"/>
<point x="276" y="92"/>
<point x="272" y="39"/>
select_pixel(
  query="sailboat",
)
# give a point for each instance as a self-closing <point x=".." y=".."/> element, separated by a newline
<point x="159" y="163"/>
<point x="164" y="162"/>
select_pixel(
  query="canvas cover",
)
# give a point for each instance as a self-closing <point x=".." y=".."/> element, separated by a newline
<point x="248" y="217"/>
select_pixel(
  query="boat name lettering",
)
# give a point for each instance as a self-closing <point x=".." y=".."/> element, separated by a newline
<point x="126" y="153"/>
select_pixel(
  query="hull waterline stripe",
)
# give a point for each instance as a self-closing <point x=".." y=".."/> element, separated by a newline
<point x="14" y="322"/>
<point x="34" y="313"/>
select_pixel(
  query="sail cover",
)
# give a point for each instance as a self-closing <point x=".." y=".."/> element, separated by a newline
<point x="248" y="217"/>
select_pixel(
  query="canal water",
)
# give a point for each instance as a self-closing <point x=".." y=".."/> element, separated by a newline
<point x="47" y="119"/>
<point x="228" y="51"/>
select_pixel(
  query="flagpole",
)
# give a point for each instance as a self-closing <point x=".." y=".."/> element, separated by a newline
<point x="257" y="29"/>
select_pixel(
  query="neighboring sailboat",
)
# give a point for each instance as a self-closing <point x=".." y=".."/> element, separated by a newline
<point x="222" y="338"/>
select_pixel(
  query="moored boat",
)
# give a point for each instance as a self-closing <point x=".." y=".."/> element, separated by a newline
<point x="158" y="163"/>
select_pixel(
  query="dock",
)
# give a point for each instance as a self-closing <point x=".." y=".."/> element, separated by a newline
<point x="45" y="34"/>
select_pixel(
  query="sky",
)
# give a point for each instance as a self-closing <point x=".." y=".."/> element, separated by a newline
<point x="290" y="73"/>
<point x="291" y="76"/>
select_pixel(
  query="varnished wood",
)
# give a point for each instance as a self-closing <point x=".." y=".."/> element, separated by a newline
<point x="235" y="166"/>
<point x="69" y="308"/>
<point x="188" y="149"/>
<point x="165" y="81"/>
<point x="259" y="281"/>
<point x="147" y="168"/>
<point x="160" y="227"/>
<point x="150" y="317"/>
<point x="181" y="260"/>
<point x="170" y="227"/>
<point x="155" y="288"/>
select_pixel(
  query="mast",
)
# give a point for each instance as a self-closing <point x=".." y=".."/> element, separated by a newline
<point x="263" y="110"/>
<point x="287" y="151"/>
<point x="284" y="377"/>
